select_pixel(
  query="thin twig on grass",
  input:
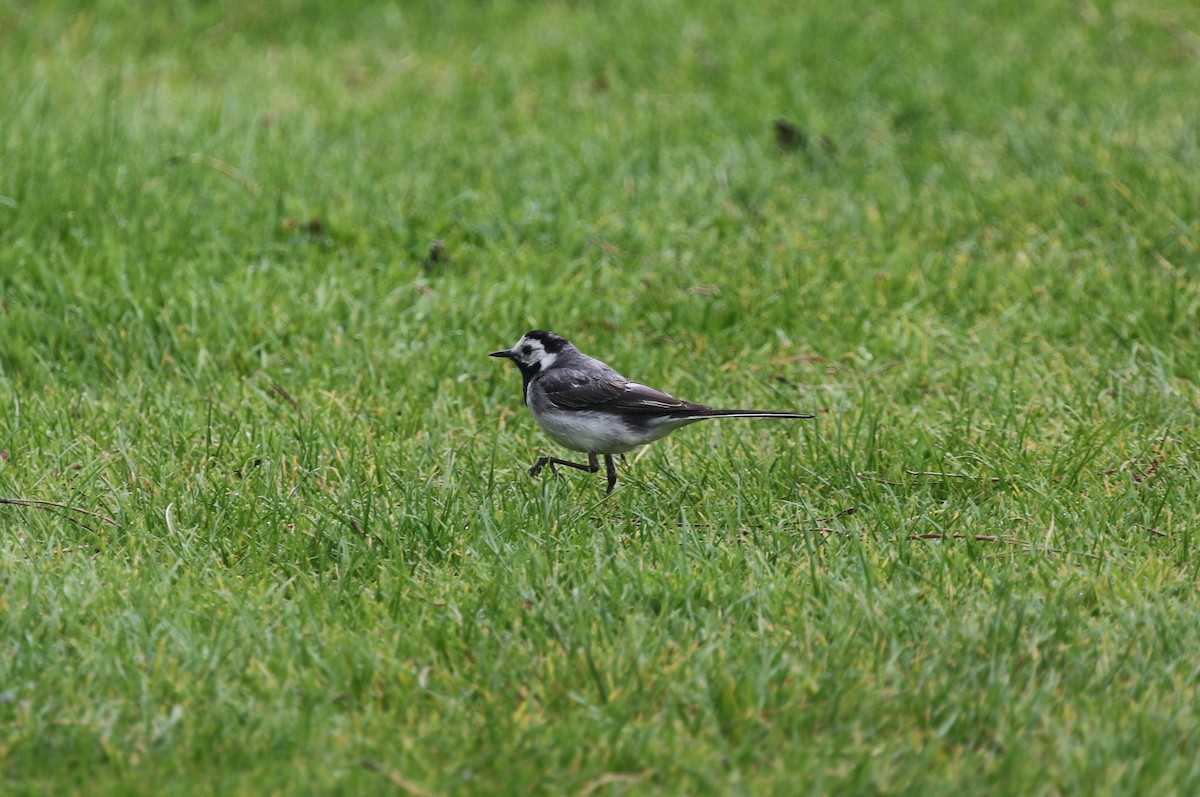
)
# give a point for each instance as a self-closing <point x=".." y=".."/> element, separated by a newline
<point x="939" y="536"/>
<point x="939" y="474"/>
<point x="52" y="505"/>
<point x="221" y="166"/>
<point x="994" y="538"/>
<point x="286" y="396"/>
<point x="397" y="779"/>
<point x="864" y="477"/>
<point x="844" y="513"/>
<point x="820" y="527"/>
<point x="609" y="778"/>
<point x="868" y="376"/>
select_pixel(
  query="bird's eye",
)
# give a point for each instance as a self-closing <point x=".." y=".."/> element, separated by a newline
<point x="525" y="350"/>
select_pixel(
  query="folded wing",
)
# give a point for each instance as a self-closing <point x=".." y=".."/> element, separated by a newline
<point x="582" y="390"/>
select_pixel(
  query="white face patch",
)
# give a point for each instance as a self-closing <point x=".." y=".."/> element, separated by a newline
<point x="532" y="352"/>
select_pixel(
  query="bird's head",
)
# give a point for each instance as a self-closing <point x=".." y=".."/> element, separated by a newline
<point x="535" y="351"/>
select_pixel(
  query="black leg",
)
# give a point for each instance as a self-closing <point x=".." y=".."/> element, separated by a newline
<point x="610" y="468"/>
<point x="593" y="465"/>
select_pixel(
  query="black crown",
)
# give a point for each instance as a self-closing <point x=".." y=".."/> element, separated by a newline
<point x="550" y="342"/>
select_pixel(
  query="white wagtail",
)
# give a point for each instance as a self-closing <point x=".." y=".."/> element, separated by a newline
<point x="585" y="405"/>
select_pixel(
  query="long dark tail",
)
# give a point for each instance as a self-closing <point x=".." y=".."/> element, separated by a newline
<point x="745" y="414"/>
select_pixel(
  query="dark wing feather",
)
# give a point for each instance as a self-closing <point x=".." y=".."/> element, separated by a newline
<point x="573" y="389"/>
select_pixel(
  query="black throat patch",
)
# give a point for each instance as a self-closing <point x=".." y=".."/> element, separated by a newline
<point x="528" y="372"/>
<point x="551" y="343"/>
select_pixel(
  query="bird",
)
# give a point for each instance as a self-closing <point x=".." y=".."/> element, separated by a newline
<point x="585" y="405"/>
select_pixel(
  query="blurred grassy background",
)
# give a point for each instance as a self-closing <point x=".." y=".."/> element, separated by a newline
<point x="222" y="326"/>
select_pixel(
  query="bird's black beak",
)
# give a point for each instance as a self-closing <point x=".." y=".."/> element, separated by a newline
<point x="508" y="353"/>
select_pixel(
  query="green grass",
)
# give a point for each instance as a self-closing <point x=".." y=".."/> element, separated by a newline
<point x="329" y="571"/>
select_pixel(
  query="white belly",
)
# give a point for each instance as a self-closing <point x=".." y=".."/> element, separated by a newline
<point x="595" y="431"/>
